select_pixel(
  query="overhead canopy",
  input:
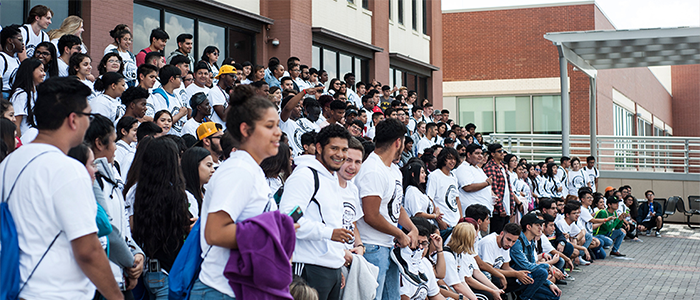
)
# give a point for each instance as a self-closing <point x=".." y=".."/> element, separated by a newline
<point x="612" y="49"/>
<point x="595" y="50"/>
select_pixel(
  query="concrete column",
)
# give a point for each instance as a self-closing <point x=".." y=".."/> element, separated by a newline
<point x="379" y="66"/>
<point x="592" y="122"/>
<point x="565" y="105"/>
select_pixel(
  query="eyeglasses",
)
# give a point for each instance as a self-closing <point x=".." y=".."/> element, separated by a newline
<point x="90" y="116"/>
<point x="113" y="61"/>
<point x="42" y="53"/>
<point x="424" y="244"/>
<point x="188" y="79"/>
<point x="500" y="151"/>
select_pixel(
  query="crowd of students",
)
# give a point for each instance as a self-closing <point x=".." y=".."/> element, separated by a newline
<point x="368" y="192"/>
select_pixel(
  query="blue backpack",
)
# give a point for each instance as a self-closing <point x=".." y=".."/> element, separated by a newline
<point x="9" y="254"/>
<point x="185" y="269"/>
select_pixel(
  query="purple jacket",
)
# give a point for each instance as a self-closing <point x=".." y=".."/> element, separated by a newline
<point x="260" y="268"/>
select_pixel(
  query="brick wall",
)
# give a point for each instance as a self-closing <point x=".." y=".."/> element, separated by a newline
<point x="100" y="17"/>
<point x="686" y="100"/>
<point x="507" y="44"/>
<point x="292" y="27"/>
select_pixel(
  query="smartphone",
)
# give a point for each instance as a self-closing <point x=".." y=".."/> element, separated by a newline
<point x="296" y="213"/>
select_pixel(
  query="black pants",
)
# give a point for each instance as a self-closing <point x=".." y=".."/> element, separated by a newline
<point x="325" y="280"/>
<point x="498" y="222"/>
<point x="512" y="284"/>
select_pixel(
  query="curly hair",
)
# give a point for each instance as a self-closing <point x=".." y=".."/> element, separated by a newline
<point x="161" y="217"/>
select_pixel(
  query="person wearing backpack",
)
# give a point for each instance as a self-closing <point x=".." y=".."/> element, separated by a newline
<point x="158" y="40"/>
<point x="33" y="33"/>
<point x="101" y="137"/>
<point x="320" y="248"/>
<point x="11" y="41"/>
<point x="50" y="198"/>
<point x="238" y="190"/>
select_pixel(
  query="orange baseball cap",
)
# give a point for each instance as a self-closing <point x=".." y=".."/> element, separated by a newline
<point x="226" y="69"/>
<point x="607" y="189"/>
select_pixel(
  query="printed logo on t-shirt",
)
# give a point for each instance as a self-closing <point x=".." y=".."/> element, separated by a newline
<point x="421" y="292"/>
<point x="349" y="213"/>
<point x="578" y="180"/>
<point x="451" y="198"/>
<point x="499" y="262"/>
<point x="297" y="137"/>
<point x="394" y="205"/>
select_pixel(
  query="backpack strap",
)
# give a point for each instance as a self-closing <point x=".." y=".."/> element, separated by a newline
<point x="5" y="65"/>
<point x="313" y="197"/>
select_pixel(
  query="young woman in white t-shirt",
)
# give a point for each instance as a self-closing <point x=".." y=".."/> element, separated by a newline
<point x="29" y="74"/>
<point x="415" y="201"/>
<point x="80" y="65"/>
<point x="122" y="42"/>
<point x="277" y="168"/>
<point x="197" y="167"/>
<point x="577" y="177"/>
<point x="469" y="281"/>
<point x="238" y="190"/>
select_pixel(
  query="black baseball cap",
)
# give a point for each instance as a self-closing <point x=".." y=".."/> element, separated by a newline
<point x="530" y="219"/>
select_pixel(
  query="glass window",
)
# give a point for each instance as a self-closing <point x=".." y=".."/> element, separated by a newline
<point x="345" y="65"/>
<point x="12" y="12"/>
<point x="329" y="63"/>
<point x="145" y="20"/>
<point x="399" y="79"/>
<point x="59" y="8"/>
<point x="358" y="70"/>
<point x="212" y="35"/>
<point x="400" y="12"/>
<point x="513" y="114"/>
<point x="315" y="57"/>
<point x="174" y="26"/>
<point x="414" y="15"/>
<point x="546" y="114"/>
<point x="425" y="17"/>
<point x="391" y="12"/>
<point x="478" y="111"/>
<point x="365" y="4"/>
<point x="392" y="75"/>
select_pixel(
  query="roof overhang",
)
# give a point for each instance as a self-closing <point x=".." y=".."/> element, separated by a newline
<point x="340" y="41"/>
<point x="411" y="64"/>
<point x="613" y="49"/>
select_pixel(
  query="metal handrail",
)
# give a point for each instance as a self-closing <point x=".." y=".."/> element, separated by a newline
<point x="641" y="153"/>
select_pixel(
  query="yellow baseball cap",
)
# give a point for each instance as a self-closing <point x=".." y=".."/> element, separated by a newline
<point x="206" y="129"/>
<point x="226" y="69"/>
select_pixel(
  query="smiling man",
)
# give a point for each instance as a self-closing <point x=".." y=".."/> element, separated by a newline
<point x="352" y="209"/>
<point x="320" y="240"/>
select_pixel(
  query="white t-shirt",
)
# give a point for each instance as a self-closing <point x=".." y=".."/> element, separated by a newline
<point x="62" y="68"/>
<point x="572" y="229"/>
<point x="415" y="201"/>
<point x="8" y="64"/>
<point x="217" y="96"/>
<point x="19" y="102"/>
<point x="575" y="181"/>
<point x="193" y="89"/>
<point x="291" y="128"/>
<point x="443" y="190"/>
<point x="306" y="125"/>
<point x="31" y="40"/>
<point x="91" y="85"/>
<point x="491" y="253"/>
<point x="584" y="220"/>
<point x="592" y="175"/>
<point x="124" y="155"/>
<point x="193" y="204"/>
<point x="423" y="290"/>
<point x="376" y="179"/>
<point x="422" y="144"/>
<point x="54" y="194"/>
<point x="506" y="193"/>
<point x="466" y="175"/>
<point x="352" y="210"/>
<point x="459" y="266"/>
<point x="190" y="127"/>
<point x="238" y="188"/>
<point x="563" y="176"/>
<point x="106" y="106"/>
<point x="129" y="61"/>
<point x="173" y="104"/>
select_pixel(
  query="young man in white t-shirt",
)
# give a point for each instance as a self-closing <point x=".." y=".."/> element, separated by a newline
<point x="428" y="287"/>
<point x="67" y="46"/>
<point x="442" y="187"/>
<point x="290" y="112"/>
<point x="319" y="252"/>
<point x="351" y="196"/>
<point x="586" y="221"/>
<point x="381" y="190"/>
<point x="474" y="185"/>
<point x="573" y="232"/>
<point x="494" y="249"/>
<point x="164" y="98"/>
<point x="592" y="172"/>
<point x="33" y="33"/>
<point x="51" y="199"/>
<point x="218" y="96"/>
<point x="427" y="140"/>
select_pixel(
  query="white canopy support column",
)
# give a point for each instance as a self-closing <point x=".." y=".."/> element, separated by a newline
<point x="565" y="104"/>
<point x="593" y="117"/>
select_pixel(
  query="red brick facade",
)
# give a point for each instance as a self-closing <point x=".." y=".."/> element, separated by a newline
<point x="686" y="100"/>
<point x="509" y="44"/>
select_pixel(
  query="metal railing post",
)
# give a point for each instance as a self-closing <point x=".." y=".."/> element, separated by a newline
<point x="686" y="153"/>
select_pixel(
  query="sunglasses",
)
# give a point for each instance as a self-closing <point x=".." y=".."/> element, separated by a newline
<point x="500" y="151"/>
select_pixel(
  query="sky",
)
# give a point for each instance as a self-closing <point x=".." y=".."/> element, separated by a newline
<point x="624" y="14"/>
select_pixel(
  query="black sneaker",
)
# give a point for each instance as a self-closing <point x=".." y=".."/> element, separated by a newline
<point x="395" y="255"/>
<point x="561" y="282"/>
<point x="618" y="254"/>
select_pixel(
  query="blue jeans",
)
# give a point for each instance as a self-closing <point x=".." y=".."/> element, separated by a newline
<point x="604" y="242"/>
<point x="157" y="287"/>
<point x="560" y="264"/>
<point x="388" y="277"/>
<point x="617" y="235"/>
<point x="538" y="289"/>
<point x="201" y="291"/>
